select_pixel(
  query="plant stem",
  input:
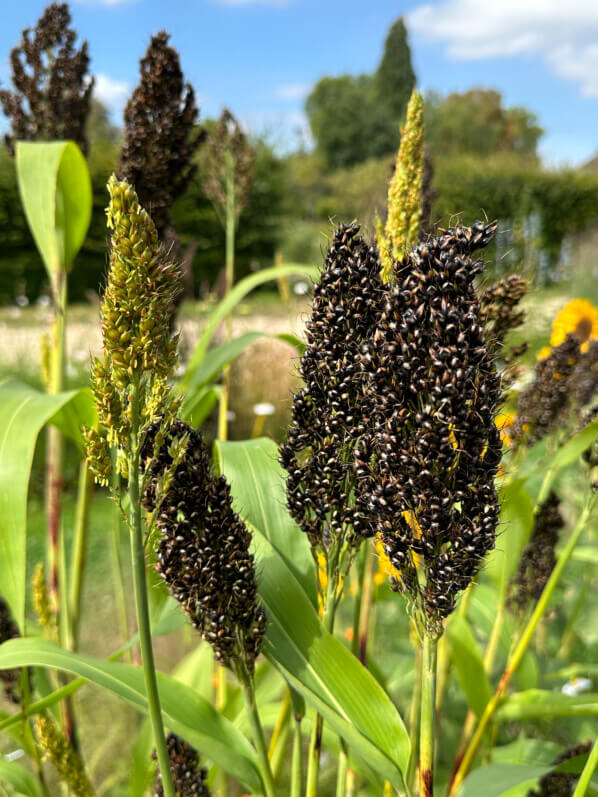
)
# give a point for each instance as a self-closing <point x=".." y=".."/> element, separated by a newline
<point x="258" y="738"/>
<point x="341" y="775"/>
<point x="428" y="717"/>
<point x="84" y="495"/>
<point x="116" y="562"/>
<point x="279" y="734"/>
<point x="296" y="762"/>
<point x="141" y="601"/>
<point x="229" y="277"/>
<point x="414" y="718"/>
<point x="586" y="775"/>
<point x="521" y="647"/>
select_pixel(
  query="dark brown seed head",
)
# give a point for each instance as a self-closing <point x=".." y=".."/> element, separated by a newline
<point x="188" y="778"/>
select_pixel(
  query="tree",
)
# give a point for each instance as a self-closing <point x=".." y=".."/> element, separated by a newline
<point x="476" y="123"/>
<point x="53" y="89"/>
<point x="160" y="134"/>
<point x="395" y="78"/>
<point x="356" y="117"/>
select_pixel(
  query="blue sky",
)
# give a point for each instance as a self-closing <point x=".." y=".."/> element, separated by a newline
<point x="260" y="57"/>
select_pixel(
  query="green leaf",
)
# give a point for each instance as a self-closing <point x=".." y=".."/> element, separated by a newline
<point x="259" y="496"/>
<point x="22" y="781"/>
<point x="56" y="194"/>
<point x="528" y="672"/>
<point x="142" y="766"/>
<point x="540" y="704"/>
<point x="228" y="304"/>
<point x="185" y="712"/>
<point x="324" y="671"/>
<point x="574" y="448"/>
<point x="586" y="553"/>
<point x="23" y="412"/>
<point x="496" y="780"/>
<point x="72" y="417"/>
<point x="217" y="357"/>
<point x="199" y="403"/>
<point x="516" y="522"/>
<point x="469" y="665"/>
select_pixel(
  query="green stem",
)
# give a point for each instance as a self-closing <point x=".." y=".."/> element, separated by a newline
<point x="428" y="717"/>
<point x="414" y="718"/>
<point x="586" y="775"/>
<point x="84" y="496"/>
<point x="279" y="734"/>
<point x="116" y="561"/>
<point x="258" y="738"/>
<point x="229" y="276"/>
<point x="521" y="647"/>
<point x="341" y="775"/>
<point x="296" y="762"/>
<point x="141" y="601"/>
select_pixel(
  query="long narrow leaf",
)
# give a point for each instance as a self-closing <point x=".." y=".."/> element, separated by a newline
<point x="23" y="412"/>
<point x="469" y="665"/>
<point x="185" y="711"/>
<point x="22" y="781"/>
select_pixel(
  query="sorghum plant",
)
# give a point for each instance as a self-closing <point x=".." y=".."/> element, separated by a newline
<point x="161" y="134"/>
<point x="52" y="84"/>
<point x="189" y="779"/>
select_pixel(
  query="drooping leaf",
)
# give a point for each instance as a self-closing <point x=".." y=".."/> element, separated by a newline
<point x="574" y="448"/>
<point x="20" y="779"/>
<point x="185" y="711"/>
<point x="324" y="671"/>
<point x="23" y="412"/>
<point x="55" y="189"/>
<point x="516" y="521"/>
<point x="72" y="417"/>
<point x="467" y="659"/>
<point x="228" y="304"/>
<point x="259" y="496"/>
<point x="496" y="780"/>
<point x="586" y="553"/>
<point x="542" y="704"/>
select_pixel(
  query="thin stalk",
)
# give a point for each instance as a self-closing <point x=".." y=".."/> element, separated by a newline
<point x="586" y="776"/>
<point x="361" y="562"/>
<point x="229" y="279"/>
<point x="258" y="738"/>
<point x="221" y="779"/>
<point x="428" y="717"/>
<point x="315" y="739"/>
<point x="414" y="717"/>
<point x="84" y="496"/>
<point x="28" y="731"/>
<point x="141" y="601"/>
<point x="521" y="647"/>
<point x="279" y="734"/>
<point x="367" y="587"/>
<point x="342" y="772"/>
<point x="296" y="761"/>
<point x="116" y="563"/>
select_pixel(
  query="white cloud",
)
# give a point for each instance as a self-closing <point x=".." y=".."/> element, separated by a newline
<point x="112" y="93"/>
<point x="293" y="91"/>
<point x="104" y="2"/>
<point x="563" y="34"/>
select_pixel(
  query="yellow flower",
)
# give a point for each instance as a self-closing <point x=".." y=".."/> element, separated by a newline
<point x="544" y="352"/>
<point x="580" y="317"/>
<point x="504" y="421"/>
<point x="385" y="568"/>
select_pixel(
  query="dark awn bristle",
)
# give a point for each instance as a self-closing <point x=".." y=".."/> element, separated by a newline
<point x="203" y="549"/>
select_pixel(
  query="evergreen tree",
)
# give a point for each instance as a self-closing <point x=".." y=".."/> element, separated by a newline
<point x="395" y="78"/>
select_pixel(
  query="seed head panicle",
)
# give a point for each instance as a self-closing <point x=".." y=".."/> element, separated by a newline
<point x="327" y="417"/>
<point x="560" y="784"/>
<point x="9" y="630"/>
<point x="138" y="344"/>
<point x="427" y="463"/>
<point x="500" y="308"/>
<point x="65" y="760"/>
<point x="538" y="558"/>
<point x="545" y="401"/>
<point x="402" y="227"/>
<point x="188" y="778"/>
<point x="203" y="548"/>
<point x="584" y="379"/>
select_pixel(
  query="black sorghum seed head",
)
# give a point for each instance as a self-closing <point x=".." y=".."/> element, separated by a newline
<point x="327" y="413"/>
<point x="9" y="630"/>
<point x="53" y="89"/>
<point x="160" y="137"/>
<point x="560" y="784"/>
<point x="584" y="379"/>
<point x="546" y="399"/>
<point x="499" y="306"/>
<point x="430" y="450"/>
<point x="203" y="547"/>
<point x="538" y="558"/>
<point x="188" y="778"/>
